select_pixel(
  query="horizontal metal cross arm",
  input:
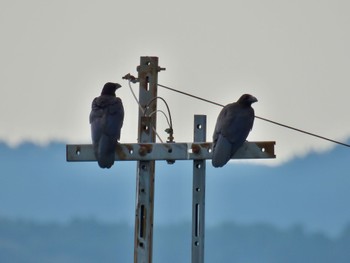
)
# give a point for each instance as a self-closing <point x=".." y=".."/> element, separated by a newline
<point x="169" y="151"/>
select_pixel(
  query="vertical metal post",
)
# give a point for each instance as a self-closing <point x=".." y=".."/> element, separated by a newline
<point x="148" y="78"/>
<point x="198" y="199"/>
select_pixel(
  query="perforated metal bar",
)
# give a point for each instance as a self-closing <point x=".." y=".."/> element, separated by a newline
<point x="169" y="151"/>
<point x="148" y="75"/>
<point x="198" y="194"/>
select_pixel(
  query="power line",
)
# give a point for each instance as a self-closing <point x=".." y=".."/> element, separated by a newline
<point x="143" y="110"/>
<point x="193" y="96"/>
<point x="170" y="130"/>
<point x="261" y="118"/>
<point x="170" y="123"/>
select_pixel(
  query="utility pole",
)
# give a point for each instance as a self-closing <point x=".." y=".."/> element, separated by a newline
<point x="148" y="79"/>
<point x="147" y="151"/>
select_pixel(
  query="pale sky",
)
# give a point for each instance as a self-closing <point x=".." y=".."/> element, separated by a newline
<point x="292" y="55"/>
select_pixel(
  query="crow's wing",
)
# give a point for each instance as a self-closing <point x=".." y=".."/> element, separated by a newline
<point x="237" y="123"/>
<point x="106" y="119"/>
<point x="232" y="128"/>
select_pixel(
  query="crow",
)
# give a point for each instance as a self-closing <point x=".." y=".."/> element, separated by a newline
<point x="232" y="128"/>
<point x="106" y="119"/>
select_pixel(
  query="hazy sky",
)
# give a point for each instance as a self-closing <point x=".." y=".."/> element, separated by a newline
<point x="292" y="55"/>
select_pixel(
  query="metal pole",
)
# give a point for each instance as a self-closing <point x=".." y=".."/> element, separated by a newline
<point x="198" y="199"/>
<point x="148" y="77"/>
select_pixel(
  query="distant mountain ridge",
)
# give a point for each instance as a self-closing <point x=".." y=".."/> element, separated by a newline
<point x="92" y="241"/>
<point x="37" y="183"/>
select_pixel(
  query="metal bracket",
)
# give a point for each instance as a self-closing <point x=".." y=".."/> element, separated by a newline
<point x="169" y="151"/>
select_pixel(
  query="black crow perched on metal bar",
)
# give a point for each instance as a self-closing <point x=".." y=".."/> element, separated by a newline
<point x="106" y="119"/>
<point x="232" y="128"/>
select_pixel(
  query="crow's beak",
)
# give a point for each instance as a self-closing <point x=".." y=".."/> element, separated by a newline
<point x="253" y="99"/>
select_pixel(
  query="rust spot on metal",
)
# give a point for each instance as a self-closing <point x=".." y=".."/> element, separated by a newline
<point x="142" y="151"/>
<point x="145" y="149"/>
<point x="129" y="147"/>
<point x="207" y="146"/>
<point x="196" y="148"/>
<point x="122" y="154"/>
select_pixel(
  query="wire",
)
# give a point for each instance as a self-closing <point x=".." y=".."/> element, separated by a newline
<point x="261" y="118"/>
<point x="142" y="109"/>
<point x="166" y="117"/>
<point x="170" y="130"/>
<point x="134" y="95"/>
<point x="302" y="131"/>
<point x="167" y="106"/>
<point x="190" y="95"/>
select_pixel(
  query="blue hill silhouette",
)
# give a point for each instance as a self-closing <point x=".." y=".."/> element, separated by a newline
<point x="37" y="183"/>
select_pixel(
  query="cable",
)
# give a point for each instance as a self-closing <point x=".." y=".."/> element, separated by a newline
<point x="170" y="130"/>
<point x="142" y="109"/>
<point x="167" y="106"/>
<point x="134" y="95"/>
<point x="190" y="95"/>
<point x="166" y="117"/>
<point x="261" y="118"/>
<point x="306" y="132"/>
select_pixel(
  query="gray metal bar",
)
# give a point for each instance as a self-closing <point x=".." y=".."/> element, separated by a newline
<point x="143" y="241"/>
<point x="144" y="207"/>
<point x="169" y="151"/>
<point x="198" y="194"/>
